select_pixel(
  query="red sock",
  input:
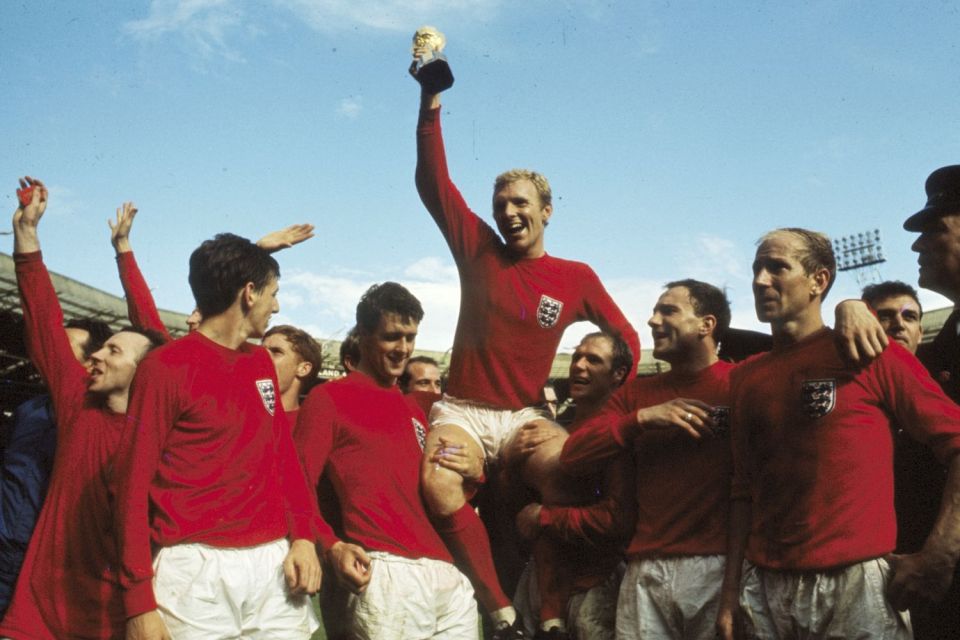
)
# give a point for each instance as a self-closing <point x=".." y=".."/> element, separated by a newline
<point x="466" y="537"/>
<point x="552" y="579"/>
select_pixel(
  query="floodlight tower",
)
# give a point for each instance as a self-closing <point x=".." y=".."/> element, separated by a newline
<point x="862" y="253"/>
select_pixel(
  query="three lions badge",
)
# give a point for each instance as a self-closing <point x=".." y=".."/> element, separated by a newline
<point x="267" y="394"/>
<point x="818" y="397"/>
<point x="548" y="312"/>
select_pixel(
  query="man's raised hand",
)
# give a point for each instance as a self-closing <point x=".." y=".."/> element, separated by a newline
<point x="120" y="230"/>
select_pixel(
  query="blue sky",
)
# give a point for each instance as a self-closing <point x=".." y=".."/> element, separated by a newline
<point x="674" y="134"/>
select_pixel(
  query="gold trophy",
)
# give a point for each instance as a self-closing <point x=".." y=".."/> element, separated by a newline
<point x="430" y="67"/>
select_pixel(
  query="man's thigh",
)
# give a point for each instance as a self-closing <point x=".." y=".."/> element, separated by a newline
<point x="847" y="602"/>
<point x="592" y="615"/>
<point x="413" y="599"/>
<point x="668" y="598"/>
<point x="205" y="593"/>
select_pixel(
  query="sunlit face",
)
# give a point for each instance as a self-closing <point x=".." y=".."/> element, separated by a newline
<point x="262" y="305"/>
<point x="592" y="376"/>
<point x="287" y="361"/>
<point x="676" y="328"/>
<point x="782" y="289"/>
<point x="521" y="218"/>
<point x="900" y="318"/>
<point x="384" y="353"/>
<point x="423" y="377"/>
<point x="939" y="256"/>
<point x="113" y="366"/>
<point x="79" y="339"/>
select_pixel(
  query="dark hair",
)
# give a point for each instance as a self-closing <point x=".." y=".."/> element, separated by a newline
<point x="304" y="346"/>
<point x="154" y="337"/>
<point x="707" y="300"/>
<point x="873" y="293"/>
<point x="99" y="332"/>
<point x="404" y="380"/>
<point x="817" y="252"/>
<point x="381" y="299"/>
<point x="622" y="358"/>
<point x="350" y="349"/>
<point x="221" y="267"/>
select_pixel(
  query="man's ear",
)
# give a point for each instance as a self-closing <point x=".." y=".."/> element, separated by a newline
<point x="821" y="280"/>
<point x="619" y="376"/>
<point x="546" y="212"/>
<point x="248" y="295"/>
<point x="707" y="324"/>
<point x="304" y="369"/>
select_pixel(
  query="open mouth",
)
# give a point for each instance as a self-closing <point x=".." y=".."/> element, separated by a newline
<point x="514" y="228"/>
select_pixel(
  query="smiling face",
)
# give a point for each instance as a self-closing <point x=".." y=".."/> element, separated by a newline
<point x="782" y="289"/>
<point x="113" y="366"/>
<point x="676" y="328"/>
<point x="592" y="376"/>
<point x="424" y="376"/>
<point x="900" y="318"/>
<point x="939" y="256"/>
<point x="385" y="351"/>
<point x="521" y="218"/>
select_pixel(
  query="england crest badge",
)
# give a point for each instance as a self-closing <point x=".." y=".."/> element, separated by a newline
<point x="818" y="397"/>
<point x="421" y="432"/>
<point x="267" y="394"/>
<point x="549" y="311"/>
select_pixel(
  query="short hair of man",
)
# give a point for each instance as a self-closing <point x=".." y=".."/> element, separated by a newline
<point x="154" y="338"/>
<point x="873" y="293"/>
<point x="817" y="252"/>
<point x="350" y="349"/>
<point x="707" y="300"/>
<point x="515" y="175"/>
<point x="304" y="346"/>
<point x="404" y="379"/>
<point x="622" y="358"/>
<point x="98" y="330"/>
<point x="381" y="299"/>
<point x="222" y="266"/>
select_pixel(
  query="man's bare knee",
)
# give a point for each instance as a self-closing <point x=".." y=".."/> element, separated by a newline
<point x="443" y="490"/>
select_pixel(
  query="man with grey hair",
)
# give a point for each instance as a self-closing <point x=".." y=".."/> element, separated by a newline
<point x="812" y="497"/>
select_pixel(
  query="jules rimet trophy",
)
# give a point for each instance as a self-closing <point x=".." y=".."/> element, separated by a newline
<point x="430" y="67"/>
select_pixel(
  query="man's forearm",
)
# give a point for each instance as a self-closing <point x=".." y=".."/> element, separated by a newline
<point x="944" y="539"/>
<point x="25" y="238"/>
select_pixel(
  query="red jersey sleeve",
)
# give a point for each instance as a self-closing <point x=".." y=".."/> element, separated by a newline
<point x="917" y="401"/>
<point x="600" y="309"/>
<point x="141" y="309"/>
<point x="609" y="519"/>
<point x="46" y="341"/>
<point x="463" y="230"/>
<point x="302" y="511"/>
<point x="602" y="436"/>
<point x="313" y="439"/>
<point x="740" y="483"/>
<point x="154" y="406"/>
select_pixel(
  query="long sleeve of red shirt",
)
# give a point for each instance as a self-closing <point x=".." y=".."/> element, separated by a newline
<point x="141" y="308"/>
<point x="608" y="520"/>
<point x="46" y="341"/>
<point x="601" y="436"/>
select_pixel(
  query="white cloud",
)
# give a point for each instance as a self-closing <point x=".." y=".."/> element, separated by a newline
<point x="393" y="15"/>
<point x="204" y="24"/>
<point x="350" y="107"/>
<point x="207" y="27"/>
<point x="326" y="303"/>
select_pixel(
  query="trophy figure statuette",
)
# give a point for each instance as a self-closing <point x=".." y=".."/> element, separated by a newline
<point x="430" y="67"/>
